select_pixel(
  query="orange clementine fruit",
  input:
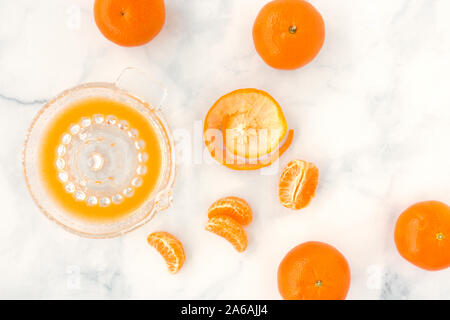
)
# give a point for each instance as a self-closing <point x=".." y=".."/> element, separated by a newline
<point x="422" y="235"/>
<point x="233" y="207"/>
<point x="170" y="248"/>
<point x="229" y="229"/>
<point x="298" y="183"/>
<point x="129" y="23"/>
<point x="244" y="128"/>
<point x="288" y="34"/>
<point x="314" y="271"/>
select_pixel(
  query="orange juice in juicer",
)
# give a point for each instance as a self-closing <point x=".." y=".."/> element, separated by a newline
<point x="99" y="159"/>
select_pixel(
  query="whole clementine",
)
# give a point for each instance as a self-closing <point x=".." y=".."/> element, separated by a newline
<point x="314" y="271"/>
<point x="129" y="23"/>
<point x="288" y="34"/>
<point x="422" y="235"/>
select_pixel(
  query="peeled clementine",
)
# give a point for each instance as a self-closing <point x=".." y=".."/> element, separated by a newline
<point x="288" y="34"/>
<point x="422" y="235"/>
<point x="298" y="183"/>
<point x="129" y="23"/>
<point x="243" y="130"/>
<point x="314" y="271"/>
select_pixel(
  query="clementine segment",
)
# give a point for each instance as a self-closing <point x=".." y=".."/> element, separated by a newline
<point x="233" y="207"/>
<point x="298" y="183"/>
<point x="314" y="271"/>
<point x="229" y="229"/>
<point x="288" y="34"/>
<point x="170" y="248"/>
<point x="129" y="23"/>
<point x="422" y="235"/>
<point x="243" y="130"/>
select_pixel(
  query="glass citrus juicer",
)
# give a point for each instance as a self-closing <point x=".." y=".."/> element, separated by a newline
<point x="98" y="159"/>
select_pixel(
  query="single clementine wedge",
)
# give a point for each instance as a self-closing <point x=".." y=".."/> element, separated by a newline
<point x="298" y="184"/>
<point x="288" y="34"/>
<point x="233" y="207"/>
<point x="422" y="235"/>
<point x="129" y="23"/>
<point x="243" y="130"/>
<point x="170" y="248"/>
<point x="229" y="229"/>
<point x="314" y="271"/>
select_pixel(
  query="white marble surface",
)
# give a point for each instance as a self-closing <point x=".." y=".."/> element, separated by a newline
<point x="372" y="111"/>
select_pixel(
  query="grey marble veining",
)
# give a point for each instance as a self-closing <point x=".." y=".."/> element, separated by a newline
<point x="372" y="111"/>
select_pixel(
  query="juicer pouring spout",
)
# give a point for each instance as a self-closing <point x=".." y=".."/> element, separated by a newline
<point x="143" y="86"/>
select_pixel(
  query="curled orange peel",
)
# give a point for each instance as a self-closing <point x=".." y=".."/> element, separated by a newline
<point x="244" y="130"/>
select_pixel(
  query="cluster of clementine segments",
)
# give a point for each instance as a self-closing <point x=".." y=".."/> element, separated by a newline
<point x="314" y="271"/>
<point x="129" y="23"/>
<point x="227" y="216"/>
<point x="233" y="207"/>
<point x="298" y="183"/>
<point x="243" y="130"/>
<point x="422" y="235"/>
<point x="229" y="229"/>
<point x="170" y="248"/>
<point x="288" y="34"/>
